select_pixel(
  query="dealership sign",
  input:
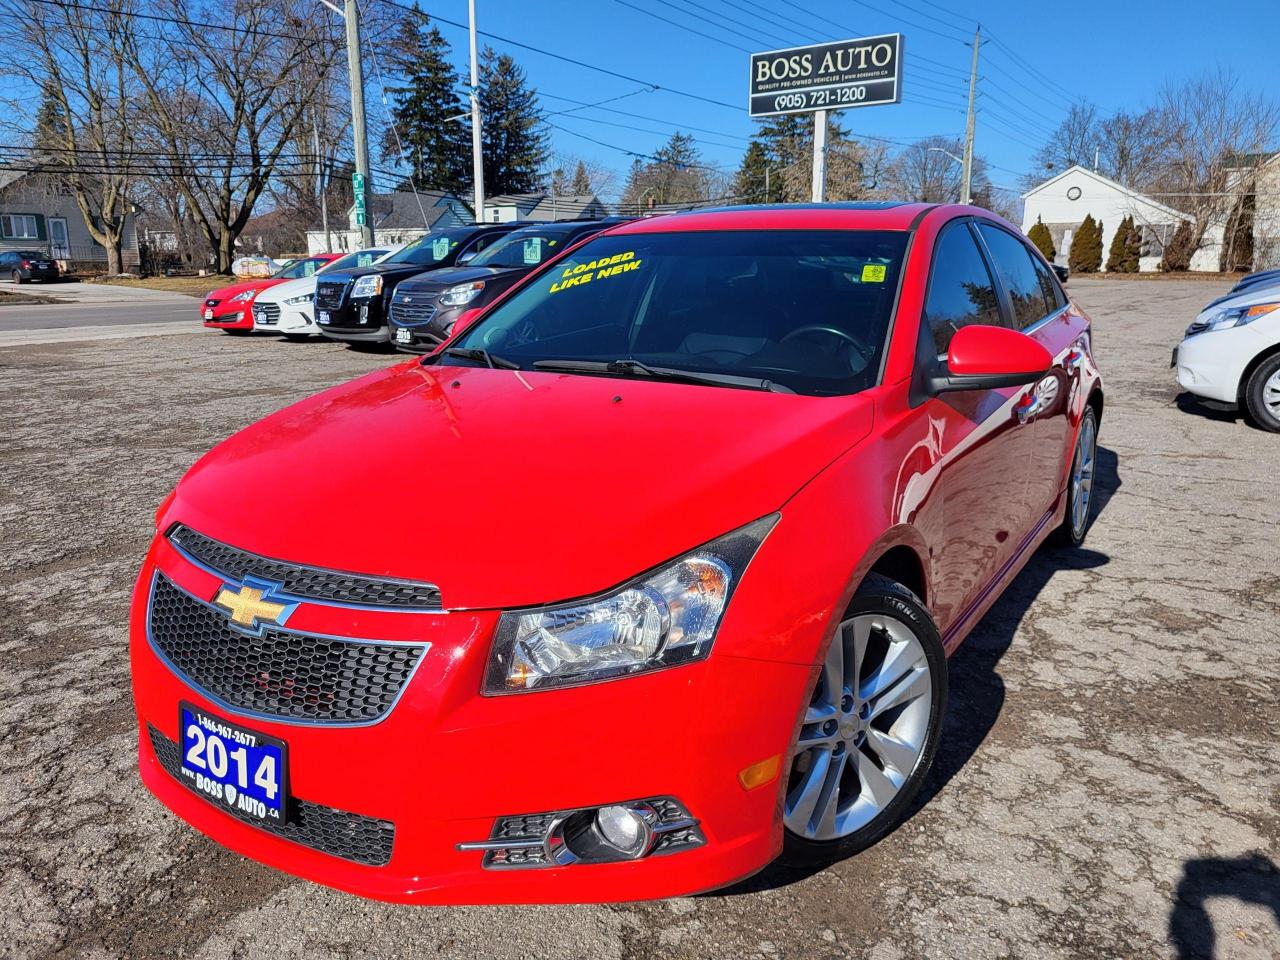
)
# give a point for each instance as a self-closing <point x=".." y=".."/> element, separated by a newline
<point x="827" y="76"/>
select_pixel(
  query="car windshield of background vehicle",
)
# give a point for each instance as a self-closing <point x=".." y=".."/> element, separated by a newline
<point x="298" y="269"/>
<point x="808" y="310"/>
<point x="361" y="258"/>
<point x="522" y="249"/>
<point x="432" y="249"/>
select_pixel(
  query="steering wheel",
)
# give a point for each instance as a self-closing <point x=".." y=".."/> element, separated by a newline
<point x="821" y="328"/>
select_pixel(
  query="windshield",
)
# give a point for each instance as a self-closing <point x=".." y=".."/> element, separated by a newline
<point x="361" y="258"/>
<point x="806" y="309"/>
<point x="432" y="249"/>
<point x="299" y="269"/>
<point x="524" y="248"/>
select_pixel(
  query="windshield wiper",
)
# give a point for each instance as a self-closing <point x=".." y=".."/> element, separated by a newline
<point x="628" y="365"/>
<point x="489" y="359"/>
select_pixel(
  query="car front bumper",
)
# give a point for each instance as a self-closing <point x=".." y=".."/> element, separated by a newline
<point x="241" y="319"/>
<point x="293" y="320"/>
<point x="445" y="762"/>
<point x="1211" y="364"/>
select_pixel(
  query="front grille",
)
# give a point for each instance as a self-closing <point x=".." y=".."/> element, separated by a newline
<point x="307" y="583"/>
<point x="267" y="314"/>
<point x="330" y="294"/>
<point x="295" y="676"/>
<point x="413" y="313"/>
<point x="335" y="832"/>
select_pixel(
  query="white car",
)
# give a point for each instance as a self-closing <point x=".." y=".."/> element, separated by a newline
<point x="1230" y="355"/>
<point x="289" y="308"/>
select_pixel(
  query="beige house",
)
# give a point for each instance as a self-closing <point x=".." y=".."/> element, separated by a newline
<point x="39" y="213"/>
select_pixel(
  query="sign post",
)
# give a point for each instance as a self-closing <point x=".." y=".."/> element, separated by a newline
<point x="863" y="72"/>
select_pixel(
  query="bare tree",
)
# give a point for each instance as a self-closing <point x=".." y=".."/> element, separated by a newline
<point x="75" y="54"/>
<point x="1133" y="147"/>
<point x="1076" y="141"/>
<point x="1218" y="138"/>
<point x="227" y="105"/>
<point x="929" y="170"/>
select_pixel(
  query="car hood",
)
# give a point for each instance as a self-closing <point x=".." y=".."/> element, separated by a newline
<point x="438" y="280"/>
<point x="510" y="488"/>
<point x="1264" y="292"/>
<point x="396" y="269"/>
<point x="226" y="293"/>
<point x="284" y="289"/>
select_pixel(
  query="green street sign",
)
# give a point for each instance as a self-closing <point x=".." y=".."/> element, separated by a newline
<point x="360" y="204"/>
<point x="359" y="217"/>
<point x="357" y="183"/>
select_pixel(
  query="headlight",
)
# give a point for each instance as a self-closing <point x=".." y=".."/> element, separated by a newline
<point x="660" y="619"/>
<point x="1236" y="317"/>
<point x="304" y="298"/>
<point x="369" y="286"/>
<point x="243" y="297"/>
<point x="462" y="293"/>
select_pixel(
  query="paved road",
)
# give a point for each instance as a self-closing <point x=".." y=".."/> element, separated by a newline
<point x="95" y="305"/>
<point x="1107" y="786"/>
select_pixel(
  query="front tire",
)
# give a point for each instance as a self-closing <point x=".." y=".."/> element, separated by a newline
<point x="1262" y="394"/>
<point x="871" y="729"/>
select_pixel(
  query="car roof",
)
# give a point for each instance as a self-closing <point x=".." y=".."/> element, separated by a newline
<point x="882" y="215"/>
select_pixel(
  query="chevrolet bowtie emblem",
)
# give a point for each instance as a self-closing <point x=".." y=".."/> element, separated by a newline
<point x="251" y="605"/>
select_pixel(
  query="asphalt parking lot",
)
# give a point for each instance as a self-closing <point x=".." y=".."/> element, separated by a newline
<point x="1108" y="785"/>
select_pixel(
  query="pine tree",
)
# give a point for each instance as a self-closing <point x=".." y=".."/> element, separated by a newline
<point x="51" y="121"/>
<point x="436" y="151"/>
<point x="514" y="148"/>
<point x="675" y="175"/>
<point x="1177" y="252"/>
<point x="1086" y="247"/>
<point x="749" y="182"/>
<point x="784" y="146"/>
<point x="1119" y="244"/>
<point x="581" y="180"/>
<point x="1039" y="235"/>
<point x="1132" y="249"/>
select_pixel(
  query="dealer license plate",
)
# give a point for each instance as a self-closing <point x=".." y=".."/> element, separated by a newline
<point x="238" y="769"/>
<point x="208" y="314"/>
<point x="322" y="316"/>
<point x="404" y="335"/>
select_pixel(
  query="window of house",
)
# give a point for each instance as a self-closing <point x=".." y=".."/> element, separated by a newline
<point x="18" y="226"/>
<point x="961" y="291"/>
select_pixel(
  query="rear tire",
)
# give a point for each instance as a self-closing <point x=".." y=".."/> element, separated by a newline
<point x="1084" y="461"/>
<point x="1262" y="394"/>
<point x="17" y="277"/>
<point x="865" y="749"/>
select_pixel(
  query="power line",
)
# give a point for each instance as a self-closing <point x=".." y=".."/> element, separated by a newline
<point x="720" y="17"/>
<point x="683" y="26"/>
<point x="763" y="13"/>
<point x="918" y="26"/>
<point x="251" y="31"/>
<point x="637" y="116"/>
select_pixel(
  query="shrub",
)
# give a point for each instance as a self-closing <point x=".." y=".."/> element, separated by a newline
<point x="1125" y="248"/>
<point x="1040" y="236"/>
<point x="1086" y="247"/>
<point x="1177" y="252"/>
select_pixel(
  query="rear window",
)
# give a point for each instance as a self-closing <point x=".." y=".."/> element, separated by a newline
<point x="806" y="309"/>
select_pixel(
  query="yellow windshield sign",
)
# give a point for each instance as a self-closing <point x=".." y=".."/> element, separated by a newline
<point x="600" y="269"/>
<point x="873" y="272"/>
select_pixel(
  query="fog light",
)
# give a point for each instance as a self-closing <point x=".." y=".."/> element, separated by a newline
<point x="625" y="828"/>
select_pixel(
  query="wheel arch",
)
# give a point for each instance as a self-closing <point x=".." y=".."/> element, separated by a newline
<point x="899" y="554"/>
<point x="1251" y="366"/>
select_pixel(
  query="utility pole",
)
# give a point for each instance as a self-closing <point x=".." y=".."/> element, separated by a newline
<point x="361" y="184"/>
<point x="477" y="161"/>
<point x="966" y="180"/>
<point x="322" y="180"/>
<point x="819" y="156"/>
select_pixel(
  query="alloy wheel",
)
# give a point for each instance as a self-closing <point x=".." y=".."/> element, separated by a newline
<point x="864" y="730"/>
<point x="1082" y="475"/>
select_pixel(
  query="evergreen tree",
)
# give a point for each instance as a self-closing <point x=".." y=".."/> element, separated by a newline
<point x="1086" y="247"/>
<point x="1132" y="249"/>
<point x="51" y="122"/>
<point x="1039" y="235"/>
<point x="1119" y="245"/>
<point x="675" y="175"/>
<point x="1177" y="252"/>
<point x="559" y="183"/>
<point x="581" y="180"/>
<point x="784" y="146"/>
<point x="750" y="181"/>
<point x="514" y="148"/>
<point x="437" y="151"/>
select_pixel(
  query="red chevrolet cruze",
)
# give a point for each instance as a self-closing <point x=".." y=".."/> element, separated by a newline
<point x="715" y="496"/>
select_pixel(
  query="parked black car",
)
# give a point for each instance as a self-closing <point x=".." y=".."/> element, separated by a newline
<point x="23" y="265"/>
<point x="352" y="305"/>
<point x="425" y="309"/>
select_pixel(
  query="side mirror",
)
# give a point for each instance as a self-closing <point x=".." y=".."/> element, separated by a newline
<point x="988" y="358"/>
<point x="465" y="258"/>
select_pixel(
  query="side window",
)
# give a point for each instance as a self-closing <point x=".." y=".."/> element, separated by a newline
<point x="960" y="288"/>
<point x="1053" y="297"/>
<point x="1018" y="274"/>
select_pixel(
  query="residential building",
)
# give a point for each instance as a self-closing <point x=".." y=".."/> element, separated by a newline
<point x="396" y="218"/>
<point x="39" y="212"/>
<point x="543" y="207"/>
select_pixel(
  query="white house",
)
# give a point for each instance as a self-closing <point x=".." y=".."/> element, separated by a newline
<point x="543" y="207"/>
<point x="398" y="217"/>
<point x="1063" y="202"/>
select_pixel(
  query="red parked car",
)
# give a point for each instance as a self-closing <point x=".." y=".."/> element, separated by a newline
<point x="231" y="308"/>
<point x="719" y="494"/>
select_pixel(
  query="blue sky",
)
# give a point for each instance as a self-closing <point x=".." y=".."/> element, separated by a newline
<point x="1117" y="54"/>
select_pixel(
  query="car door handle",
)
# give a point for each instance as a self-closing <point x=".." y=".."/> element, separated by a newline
<point x="1028" y="407"/>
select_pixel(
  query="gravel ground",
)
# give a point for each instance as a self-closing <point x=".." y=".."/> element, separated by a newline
<point x="1108" y="785"/>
